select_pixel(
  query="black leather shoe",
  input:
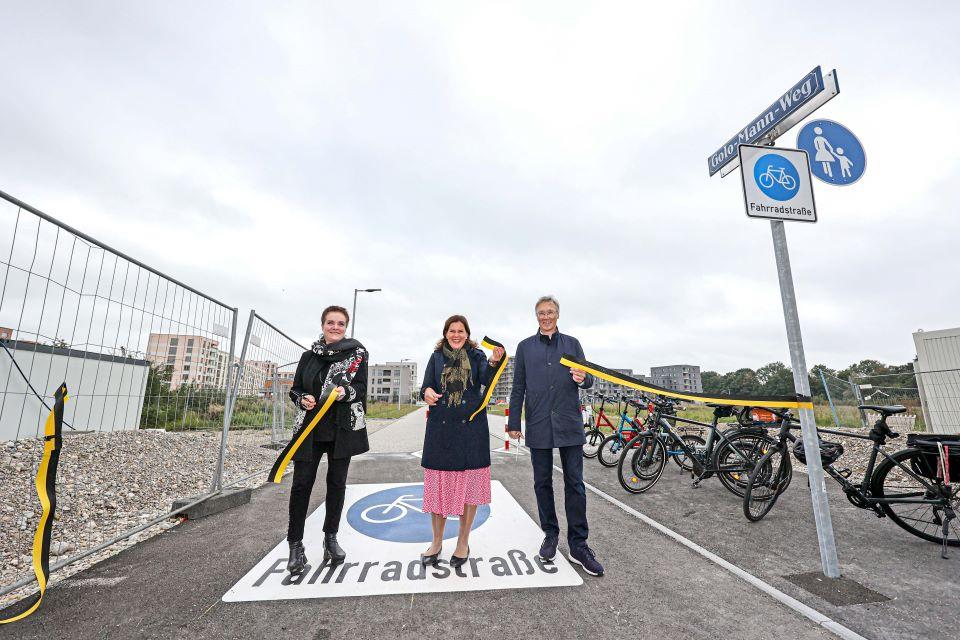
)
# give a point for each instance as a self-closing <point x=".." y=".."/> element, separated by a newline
<point x="298" y="558"/>
<point x="430" y="559"/>
<point x="332" y="550"/>
<point x="456" y="562"/>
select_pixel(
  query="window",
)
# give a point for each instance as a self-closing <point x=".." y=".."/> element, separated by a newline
<point x="190" y="342"/>
<point x="173" y="341"/>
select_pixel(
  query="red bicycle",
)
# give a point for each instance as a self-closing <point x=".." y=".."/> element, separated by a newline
<point x="593" y="429"/>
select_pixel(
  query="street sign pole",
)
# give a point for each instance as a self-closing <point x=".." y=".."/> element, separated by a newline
<point x="808" y="425"/>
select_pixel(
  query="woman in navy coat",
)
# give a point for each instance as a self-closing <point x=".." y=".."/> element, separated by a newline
<point x="456" y="449"/>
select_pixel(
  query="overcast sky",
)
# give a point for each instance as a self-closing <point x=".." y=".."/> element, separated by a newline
<point x="470" y="157"/>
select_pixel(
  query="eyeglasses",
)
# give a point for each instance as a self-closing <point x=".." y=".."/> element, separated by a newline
<point x="546" y="314"/>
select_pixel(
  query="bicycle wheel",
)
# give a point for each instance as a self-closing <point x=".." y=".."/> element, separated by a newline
<point x="610" y="449"/>
<point x="766" y="482"/>
<point x="922" y="520"/>
<point x="641" y="465"/>
<point x="736" y="457"/>
<point x="765" y="180"/>
<point x="592" y="446"/>
<point x="681" y="459"/>
<point x="788" y="183"/>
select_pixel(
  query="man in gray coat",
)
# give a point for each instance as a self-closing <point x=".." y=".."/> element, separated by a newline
<point x="548" y="393"/>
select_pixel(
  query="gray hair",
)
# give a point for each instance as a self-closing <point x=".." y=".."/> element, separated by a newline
<point x="549" y="299"/>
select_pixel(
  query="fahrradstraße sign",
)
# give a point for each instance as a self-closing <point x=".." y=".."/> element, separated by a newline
<point x="777" y="183"/>
<point x="384" y="530"/>
<point x="802" y="99"/>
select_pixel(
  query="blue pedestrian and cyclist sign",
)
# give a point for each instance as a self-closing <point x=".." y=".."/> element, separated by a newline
<point x="836" y="155"/>
<point x="777" y="183"/>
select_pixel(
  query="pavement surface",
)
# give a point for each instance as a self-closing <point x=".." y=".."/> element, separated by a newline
<point x="171" y="586"/>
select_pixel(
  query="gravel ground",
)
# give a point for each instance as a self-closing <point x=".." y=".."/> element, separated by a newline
<point x="108" y="483"/>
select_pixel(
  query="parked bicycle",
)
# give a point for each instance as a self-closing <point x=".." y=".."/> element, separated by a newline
<point x="730" y="455"/>
<point x="594" y="432"/>
<point x="626" y="430"/>
<point x="918" y="488"/>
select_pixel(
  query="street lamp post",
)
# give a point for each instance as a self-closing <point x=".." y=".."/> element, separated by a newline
<point x="353" y="318"/>
<point x="400" y="381"/>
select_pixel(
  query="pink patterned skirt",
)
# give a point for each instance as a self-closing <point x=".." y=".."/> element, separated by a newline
<point x="446" y="492"/>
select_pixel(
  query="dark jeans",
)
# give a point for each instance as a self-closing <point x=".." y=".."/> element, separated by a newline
<point x="574" y="493"/>
<point x="304" y="475"/>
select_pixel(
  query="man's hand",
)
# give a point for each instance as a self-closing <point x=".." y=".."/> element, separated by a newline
<point x="514" y="435"/>
<point x="578" y="375"/>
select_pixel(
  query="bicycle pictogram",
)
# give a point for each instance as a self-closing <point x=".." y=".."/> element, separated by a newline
<point x="776" y="176"/>
<point x="384" y="513"/>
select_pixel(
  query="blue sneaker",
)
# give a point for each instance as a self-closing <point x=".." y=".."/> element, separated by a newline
<point x="583" y="556"/>
<point x="548" y="550"/>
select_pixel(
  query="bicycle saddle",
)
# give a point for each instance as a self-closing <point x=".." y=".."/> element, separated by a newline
<point x="887" y="410"/>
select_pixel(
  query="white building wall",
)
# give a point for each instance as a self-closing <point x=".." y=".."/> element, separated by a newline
<point x="938" y="378"/>
<point x="104" y="395"/>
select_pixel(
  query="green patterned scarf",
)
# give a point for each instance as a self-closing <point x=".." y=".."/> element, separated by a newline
<point x="455" y="376"/>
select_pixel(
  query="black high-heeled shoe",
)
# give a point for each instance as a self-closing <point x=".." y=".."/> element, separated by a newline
<point x="456" y="562"/>
<point x="430" y="559"/>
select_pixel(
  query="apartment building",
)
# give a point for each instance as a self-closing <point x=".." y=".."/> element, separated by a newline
<point x="678" y="377"/>
<point x="393" y="380"/>
<point x="193" y="359"/>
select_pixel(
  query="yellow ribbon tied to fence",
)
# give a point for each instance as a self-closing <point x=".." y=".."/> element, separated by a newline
<point x="491" y="344"/>
<point x="774" y="402"/>
<point x="46" y="483"/>
<point x="276" y="472"/>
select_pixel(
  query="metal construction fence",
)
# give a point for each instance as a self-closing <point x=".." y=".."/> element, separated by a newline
<point x="147" y="362"/>
<point x="261" y="413"/>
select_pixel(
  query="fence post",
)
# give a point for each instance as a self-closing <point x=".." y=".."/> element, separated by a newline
<point x="276" y="409"/>
<point x="231" y="399"/>
<point x="858" y="396"/>
<point x="836" y="418"/>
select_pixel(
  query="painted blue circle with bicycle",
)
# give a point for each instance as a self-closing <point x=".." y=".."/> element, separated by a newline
<point x="396" y="515"/>
<point x="776" y="177"/>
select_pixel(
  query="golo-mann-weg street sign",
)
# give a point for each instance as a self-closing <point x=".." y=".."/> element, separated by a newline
<point x="777" y="183"/>
<point x="802" y="99"/>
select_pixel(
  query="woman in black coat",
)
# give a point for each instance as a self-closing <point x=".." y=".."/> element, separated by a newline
<point x="339" y="363"/>
<point x="456" y="449"/>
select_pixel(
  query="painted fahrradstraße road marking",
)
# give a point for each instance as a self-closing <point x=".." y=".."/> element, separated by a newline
<point x="378" y="525"/>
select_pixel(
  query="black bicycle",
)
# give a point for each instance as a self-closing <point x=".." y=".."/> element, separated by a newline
<point x="730" y="454"/>
<point x="917" y="487"/>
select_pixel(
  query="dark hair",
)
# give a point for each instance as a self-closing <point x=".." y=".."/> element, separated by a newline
<point x="331" y="309"/>
<point x="446" y="325"/>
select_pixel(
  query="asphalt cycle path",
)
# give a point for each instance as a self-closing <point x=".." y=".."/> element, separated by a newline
<point x="173" y="585"/>
<point x="916" y="592"/>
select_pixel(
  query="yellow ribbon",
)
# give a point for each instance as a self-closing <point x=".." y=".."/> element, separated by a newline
<point x="775" y="402"/>
<point x="276" y="472"/>
<point x="491" y="344"/>
<point x="46" y="483"/>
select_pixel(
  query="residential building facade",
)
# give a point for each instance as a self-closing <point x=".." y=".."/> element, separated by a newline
<point x="393" y="382"/>
<point x="677" y="377"/>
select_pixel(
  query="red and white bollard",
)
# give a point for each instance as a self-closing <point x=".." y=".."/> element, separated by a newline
<point x="506" y="429"/>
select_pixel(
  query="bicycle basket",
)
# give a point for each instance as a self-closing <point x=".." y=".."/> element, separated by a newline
<point x="928" y="465"/>
<point x="830" y="452"/>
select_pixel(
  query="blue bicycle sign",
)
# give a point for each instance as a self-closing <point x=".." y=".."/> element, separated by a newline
<point x="776" y="176"/>
<point x="396" y="515"/>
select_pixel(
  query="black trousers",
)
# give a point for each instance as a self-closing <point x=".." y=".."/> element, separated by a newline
<point x="574" y="493"/>
<point x="304" y="475"/>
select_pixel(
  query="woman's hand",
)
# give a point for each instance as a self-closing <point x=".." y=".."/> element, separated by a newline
<point x="431" y="396"/>
<point x="578" y="375"/>
<point x="307" y="401"/>
<point x="341" y="393"/>
<point x="497" y="354"/>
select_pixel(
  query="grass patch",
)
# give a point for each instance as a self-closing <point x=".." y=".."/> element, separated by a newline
<point x="389" y="410"/>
